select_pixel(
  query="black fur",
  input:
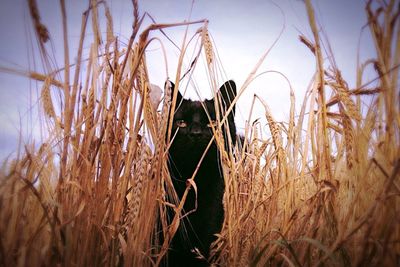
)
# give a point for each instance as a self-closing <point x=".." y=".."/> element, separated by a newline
<point x="194" y="133"/>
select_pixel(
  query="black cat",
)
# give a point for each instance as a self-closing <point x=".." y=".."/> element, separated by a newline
<point x="194" y="132"/>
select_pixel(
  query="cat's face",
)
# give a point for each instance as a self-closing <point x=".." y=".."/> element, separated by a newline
<point x="193" y="120"/>
<point x="191" y="123"/>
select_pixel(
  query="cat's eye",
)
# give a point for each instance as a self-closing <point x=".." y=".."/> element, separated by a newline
<point x="181" y="123"/>
<point x="212" y="123"/>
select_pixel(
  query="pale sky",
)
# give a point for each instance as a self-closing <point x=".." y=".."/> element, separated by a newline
<point x="242" y="32"/>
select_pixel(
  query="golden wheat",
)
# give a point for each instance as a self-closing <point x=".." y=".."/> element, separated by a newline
<point x="96" y="192"/>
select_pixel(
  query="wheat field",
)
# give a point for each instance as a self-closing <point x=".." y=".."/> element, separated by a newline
<point x="322" y="190"/>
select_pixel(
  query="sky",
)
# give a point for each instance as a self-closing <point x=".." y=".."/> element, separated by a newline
<point x="242" y="31"/>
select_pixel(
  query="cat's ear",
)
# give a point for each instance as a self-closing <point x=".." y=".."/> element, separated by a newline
<point x="228" y="93"/>
<point x="172" y="87"/>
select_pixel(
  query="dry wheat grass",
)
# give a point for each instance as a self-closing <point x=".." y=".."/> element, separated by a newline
<point x="323" y="190"/>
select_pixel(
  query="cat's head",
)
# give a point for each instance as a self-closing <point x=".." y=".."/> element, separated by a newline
<point x="193" y="119"/>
